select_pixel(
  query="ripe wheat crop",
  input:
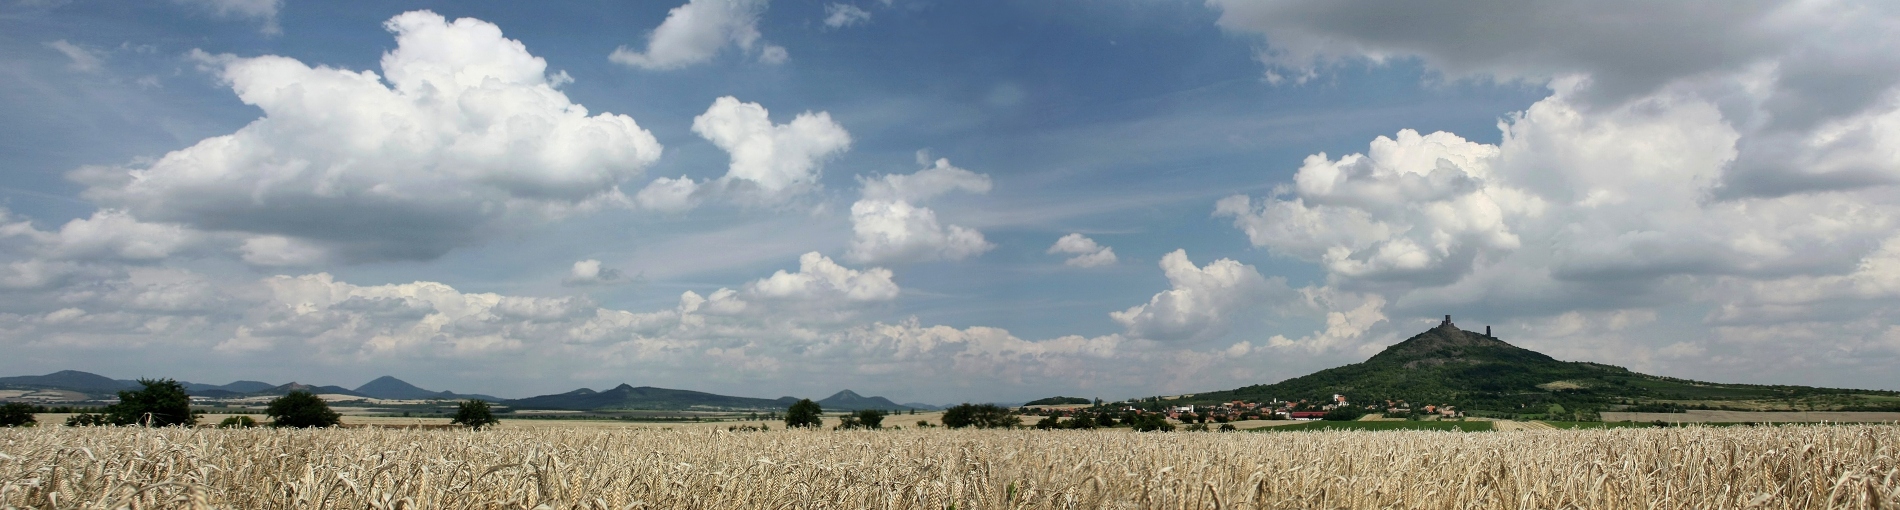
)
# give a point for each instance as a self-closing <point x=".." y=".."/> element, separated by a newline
<point x="1745" y="467"/>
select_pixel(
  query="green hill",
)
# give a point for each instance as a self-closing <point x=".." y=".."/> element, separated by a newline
<point x="1057" y="401"/>
<point x="1447" y="365"/>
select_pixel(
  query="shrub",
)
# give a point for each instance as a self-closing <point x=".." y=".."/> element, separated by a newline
<point x="88" y="420"/>
<point x="475" y="414"/>
<point x="237" y="422"/>
<point x="302" y="409"/>
<point x="160" y="403"/>
<point x="804" y="413"/>
<point x="16" y="414"/>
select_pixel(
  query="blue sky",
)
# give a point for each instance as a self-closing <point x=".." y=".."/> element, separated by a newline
<point x="914" y="198"/>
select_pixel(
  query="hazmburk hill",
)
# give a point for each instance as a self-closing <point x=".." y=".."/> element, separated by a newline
<point x="1475" y="371"/>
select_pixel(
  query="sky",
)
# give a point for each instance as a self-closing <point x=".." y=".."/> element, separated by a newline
<point x="942" y="201"/>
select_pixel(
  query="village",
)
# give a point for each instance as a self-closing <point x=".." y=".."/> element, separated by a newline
<point x="1339" y="407"/>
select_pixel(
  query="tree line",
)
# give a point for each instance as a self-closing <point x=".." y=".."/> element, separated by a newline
<point x="164" y="403"/>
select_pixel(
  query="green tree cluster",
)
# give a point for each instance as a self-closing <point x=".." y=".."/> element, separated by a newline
<point x="1343" y="413"/>
<point x="982" y="416"/>
<point x="864" y="419"/>
<point x="804" y="413"/>
<point x="475" y="414"/>
<point x="1150" y="422"/>
<point x="301" y="409"/>
<point x="15" y="414"/>
<point x="157" y="403"/>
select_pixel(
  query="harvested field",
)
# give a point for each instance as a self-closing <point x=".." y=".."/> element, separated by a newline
<point x="1757" y="417"/>
<point x="1849" y="466"/>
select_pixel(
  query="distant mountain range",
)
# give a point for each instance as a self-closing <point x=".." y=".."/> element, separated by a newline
<point x="628" y="397"/>
<point x="385" y="387"/>
<point x="1476" y="371"/>
<point x="623" y="397"/>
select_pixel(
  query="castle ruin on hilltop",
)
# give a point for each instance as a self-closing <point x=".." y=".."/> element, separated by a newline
<point x="1448" y="324"/>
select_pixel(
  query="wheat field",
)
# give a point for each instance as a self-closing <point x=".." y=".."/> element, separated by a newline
<point x="1843" y="466"/>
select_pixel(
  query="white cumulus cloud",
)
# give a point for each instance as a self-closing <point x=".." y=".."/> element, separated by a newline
<point x="695" y="32"/>
<point x="1086" y="252"/>
<point x="818" y="278"/>
<point x="839" y="15"/>
<point x="1201" y="302"/>
<point x="770" y="162"/>
<point x="888" y="227"/>
<point x="591" y="272"/>
<point x="463" y="134"/>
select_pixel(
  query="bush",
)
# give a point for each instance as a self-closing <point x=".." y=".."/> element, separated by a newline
<point x="1049" y="423"/>
<point x="88" y="420"/>
<point x="237" y="422"/>
<point x="301" y="409"/>
<point x="160" y="403"/>
<point x="805" y="413"/>
<point x="475" y="414"/>
<point x="18" y="415"/>
<point x="1228" y="427"/>
<point x="982" y="416"/>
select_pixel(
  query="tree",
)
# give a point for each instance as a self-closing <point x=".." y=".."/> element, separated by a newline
<point x="475" y="414"/>
<point x="871" y="419"/>
<point x="804" y="413"/>
<point x="160" y="403"/>
<point x="982" y="416"/>
<point x="302" y="409"/>
<point x="237" y="422"/>
<point x="1048" y="423"/>
<point x="18" y="415"/>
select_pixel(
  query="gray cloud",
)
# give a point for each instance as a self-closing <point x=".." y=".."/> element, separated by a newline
<point x="1804" y="82"/>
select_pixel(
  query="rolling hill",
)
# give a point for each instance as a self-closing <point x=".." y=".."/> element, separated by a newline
<point x="1474" y="371"/>
<point x="848" y="400"/>
<point x="390" y="388"/>
<point x="74" y="380"/>
<point x="627" y="397"/>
